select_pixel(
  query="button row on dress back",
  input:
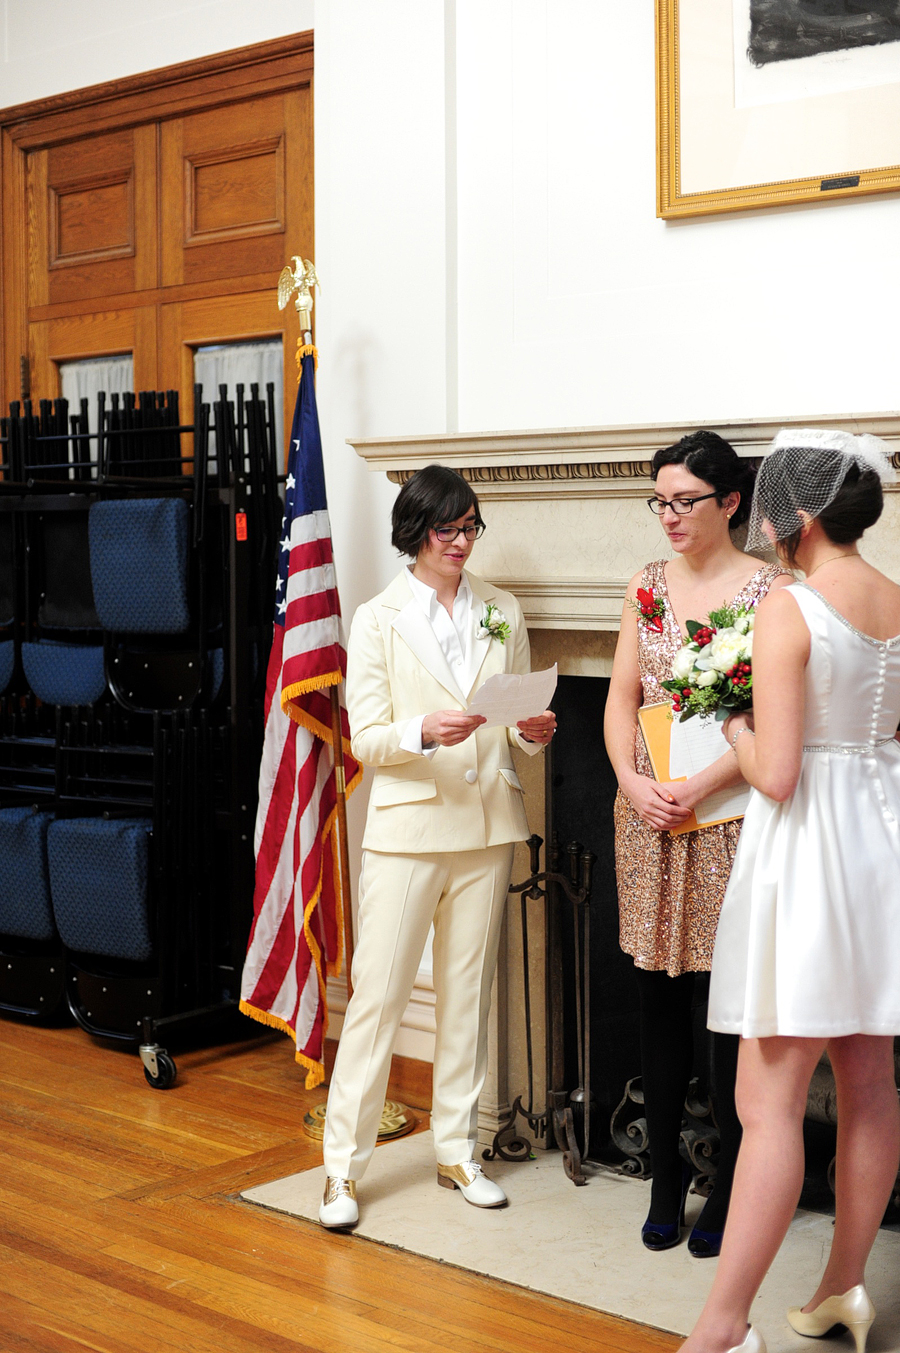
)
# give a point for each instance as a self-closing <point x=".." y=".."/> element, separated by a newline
<point x="879" y="697"/>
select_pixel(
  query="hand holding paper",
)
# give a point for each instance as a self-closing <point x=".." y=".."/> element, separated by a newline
<point x="507" y="697"/>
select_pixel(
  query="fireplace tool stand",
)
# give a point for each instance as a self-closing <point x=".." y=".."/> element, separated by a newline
<point x="555" y="888"/>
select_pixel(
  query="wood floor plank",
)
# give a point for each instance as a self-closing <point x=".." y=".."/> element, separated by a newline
<point x="121" y="1229"/>
<point x="280" y="1309"/>
<point x="30" y="1331"/>
<point x="134" y="1314"/>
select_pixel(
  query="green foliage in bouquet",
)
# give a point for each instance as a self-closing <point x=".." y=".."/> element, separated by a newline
<point x="712" y="674"/>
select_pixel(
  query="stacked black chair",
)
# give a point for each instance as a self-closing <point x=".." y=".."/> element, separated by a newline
<point x="136" y="586"/>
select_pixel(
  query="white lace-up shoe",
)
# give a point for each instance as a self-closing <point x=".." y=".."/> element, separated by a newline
<point x="338" y="1206"/>
<point x="472" y="1183"/>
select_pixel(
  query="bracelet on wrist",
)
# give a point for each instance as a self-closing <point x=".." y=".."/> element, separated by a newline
<point x="739" y="731"/>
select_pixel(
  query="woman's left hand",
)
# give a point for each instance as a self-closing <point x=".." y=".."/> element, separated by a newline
<point x="539" y="729"/>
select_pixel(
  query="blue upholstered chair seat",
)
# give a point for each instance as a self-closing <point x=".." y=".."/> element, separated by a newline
<point x="139" y="564"/>
<point x="98" y="882"/>
<point x="64" y="674"/>
<point x="25" y="909"/>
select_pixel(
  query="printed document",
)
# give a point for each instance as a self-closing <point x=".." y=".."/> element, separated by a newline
<point x="508" y="697"/>
<point x="696" y="744"/>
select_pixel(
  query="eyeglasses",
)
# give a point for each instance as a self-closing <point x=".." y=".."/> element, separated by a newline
<point x="681" y="506"/>
<point x="446" y="534"/>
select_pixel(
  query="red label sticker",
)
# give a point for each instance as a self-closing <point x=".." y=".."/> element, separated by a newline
<point x="240" y="526"/>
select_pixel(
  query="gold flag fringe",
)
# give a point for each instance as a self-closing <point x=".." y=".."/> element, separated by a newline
<point x="305" y="350"/>
<point x="315" y="1071"/>
<point x="320" y="730"/>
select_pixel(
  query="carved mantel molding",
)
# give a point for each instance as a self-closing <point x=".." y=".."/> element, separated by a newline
<point x="621" y="445"/>
<point x="568" y="526"/>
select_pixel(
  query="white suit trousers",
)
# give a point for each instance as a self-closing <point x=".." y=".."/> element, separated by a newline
<point x="463" y="894"/>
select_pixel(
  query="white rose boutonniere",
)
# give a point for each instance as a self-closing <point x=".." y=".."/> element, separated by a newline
<point x="494" y="624"/>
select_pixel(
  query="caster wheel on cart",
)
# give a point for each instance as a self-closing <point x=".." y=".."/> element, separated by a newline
<point x="166" y="1071"/>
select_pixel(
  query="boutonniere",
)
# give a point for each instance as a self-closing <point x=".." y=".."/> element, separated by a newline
<point x="651" y="609"/>
<point x="494" y="624"/>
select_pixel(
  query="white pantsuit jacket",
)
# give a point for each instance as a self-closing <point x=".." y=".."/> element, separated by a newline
<point x="464" y="797"/>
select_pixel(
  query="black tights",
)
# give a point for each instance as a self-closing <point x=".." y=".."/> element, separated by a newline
<point x="667" y="1052"/>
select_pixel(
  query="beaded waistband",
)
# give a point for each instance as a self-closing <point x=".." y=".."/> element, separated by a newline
<point x="847" y="749"/>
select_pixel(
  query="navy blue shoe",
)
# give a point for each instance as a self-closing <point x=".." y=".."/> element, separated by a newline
<point x="662" y="1235"/>
<point x="705" y="1244"/>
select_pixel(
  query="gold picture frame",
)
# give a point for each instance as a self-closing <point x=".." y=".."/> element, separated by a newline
<point x="691" y="99"/>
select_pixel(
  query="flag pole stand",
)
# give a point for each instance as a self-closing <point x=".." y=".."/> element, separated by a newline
<point x="396" y="1119"/>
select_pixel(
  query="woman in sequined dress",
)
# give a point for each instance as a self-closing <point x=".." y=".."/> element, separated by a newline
<point x="671" y="887"/>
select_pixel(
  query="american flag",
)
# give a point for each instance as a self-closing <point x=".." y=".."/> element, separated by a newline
<point x="297" y="937"/>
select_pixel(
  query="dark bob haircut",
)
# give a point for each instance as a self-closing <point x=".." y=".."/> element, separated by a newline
<point x="856" y="506"/>
<point x="710" y="458"/>
<point x="433" y="496"/>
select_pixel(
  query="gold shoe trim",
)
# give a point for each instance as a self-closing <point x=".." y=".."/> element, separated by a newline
<point x="335" y="1188"/>
<point x="460" y="1174"/>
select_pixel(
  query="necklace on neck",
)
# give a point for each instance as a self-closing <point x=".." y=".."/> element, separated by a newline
<point x="832" y="560"/>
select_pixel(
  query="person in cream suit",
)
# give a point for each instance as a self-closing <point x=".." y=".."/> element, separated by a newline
<point x="445" y="810"/>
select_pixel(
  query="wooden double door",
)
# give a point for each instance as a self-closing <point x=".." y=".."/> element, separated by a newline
<point x="153" y="216"/>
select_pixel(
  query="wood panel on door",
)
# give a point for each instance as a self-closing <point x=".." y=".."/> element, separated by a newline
<point x="236" y="189"/>
<point x="92" y="217"/>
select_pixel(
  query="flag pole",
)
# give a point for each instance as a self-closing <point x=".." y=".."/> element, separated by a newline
<point x="343" y="852"/>
<point x="303" y="303"/>
<point x="396" y="1119"/>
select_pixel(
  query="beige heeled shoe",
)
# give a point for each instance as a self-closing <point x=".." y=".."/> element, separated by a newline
<point x="754" y="1342"/>
<point x="853" y="1309"/>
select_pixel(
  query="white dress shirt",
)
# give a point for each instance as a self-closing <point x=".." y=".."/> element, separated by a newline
<point x="455" y="636"/>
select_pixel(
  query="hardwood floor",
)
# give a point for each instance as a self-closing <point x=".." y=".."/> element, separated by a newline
<point x="121" y="1229"/>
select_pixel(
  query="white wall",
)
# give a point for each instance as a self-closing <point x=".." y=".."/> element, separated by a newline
<point x="543" y="291"/>
<point x="380" y="251"/>
<point x="49" y="46"/>
<point x="381" y="324"/>
<point x="578" y="306"/>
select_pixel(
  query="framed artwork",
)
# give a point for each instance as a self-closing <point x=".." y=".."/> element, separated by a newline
<point x="765" y="102"/>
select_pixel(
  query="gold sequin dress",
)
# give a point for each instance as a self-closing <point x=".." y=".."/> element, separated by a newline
<point x="671" y="887"/>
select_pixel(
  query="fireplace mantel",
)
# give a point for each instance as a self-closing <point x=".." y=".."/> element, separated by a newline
<point x="568" y="525"/>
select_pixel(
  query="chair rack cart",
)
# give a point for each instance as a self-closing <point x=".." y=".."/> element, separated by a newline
<point x="137" y="571"/>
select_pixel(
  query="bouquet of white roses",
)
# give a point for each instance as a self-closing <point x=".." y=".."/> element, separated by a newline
<point x="712" y="674"/>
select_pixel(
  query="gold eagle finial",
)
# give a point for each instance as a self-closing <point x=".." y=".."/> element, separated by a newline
<point x="302" y="276"/>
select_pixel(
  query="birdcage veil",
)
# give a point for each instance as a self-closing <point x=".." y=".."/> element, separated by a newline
<point x="802" y="473"/>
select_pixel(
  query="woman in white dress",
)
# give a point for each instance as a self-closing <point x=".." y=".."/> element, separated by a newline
<point x="808" y="945"/>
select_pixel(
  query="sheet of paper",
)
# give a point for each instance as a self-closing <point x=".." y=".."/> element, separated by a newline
<point x="726" y="803"/>
<point x="507" y="697"/>
<point x="696" y="744"/>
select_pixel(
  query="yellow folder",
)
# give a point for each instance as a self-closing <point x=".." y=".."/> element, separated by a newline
<point x="655" y="723"/>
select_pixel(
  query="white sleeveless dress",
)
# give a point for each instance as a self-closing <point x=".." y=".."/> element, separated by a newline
<point x="808" y="942"/>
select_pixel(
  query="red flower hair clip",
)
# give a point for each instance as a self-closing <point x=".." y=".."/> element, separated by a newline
<point x="651" y="609"/>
